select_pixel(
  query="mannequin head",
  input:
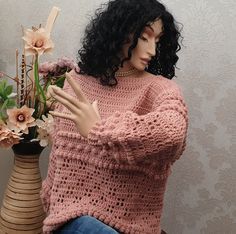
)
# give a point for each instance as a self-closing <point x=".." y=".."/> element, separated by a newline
<point x="121" y="33"/>
<point x="145" y="48"/>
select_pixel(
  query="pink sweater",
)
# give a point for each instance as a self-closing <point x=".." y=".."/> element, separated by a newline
<point x="119" y="173"/>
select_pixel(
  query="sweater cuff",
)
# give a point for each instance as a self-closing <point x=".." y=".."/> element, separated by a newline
<point x="94" y="133"/>
<point x="98" y="134"/>
<point x="104" y="133"/>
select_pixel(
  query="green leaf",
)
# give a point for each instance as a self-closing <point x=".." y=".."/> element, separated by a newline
<point x="4" y="84"/>
<point x="11" y="103"/>
<point x="5" y="89"/>
<point x="2" y="117"/>
<point x="4" y="106"/>
<point x="40" y="91"/>
<point x="8" y="90"/>
<point x="2" y="87"/>
<point x="60" y="82"/>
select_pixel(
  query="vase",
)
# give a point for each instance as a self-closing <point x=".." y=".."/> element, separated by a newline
<point x="22" y="211"/>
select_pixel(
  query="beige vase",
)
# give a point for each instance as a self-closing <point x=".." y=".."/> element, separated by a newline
<point x="22" y="211"/>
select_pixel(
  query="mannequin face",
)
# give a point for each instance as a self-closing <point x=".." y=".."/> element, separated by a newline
<point x="146" y="47"/>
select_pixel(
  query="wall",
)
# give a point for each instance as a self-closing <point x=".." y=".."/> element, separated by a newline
<point x="201" y="192"/>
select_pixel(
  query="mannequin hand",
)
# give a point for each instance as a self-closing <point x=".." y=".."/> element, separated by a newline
<point x="83" y="114"/>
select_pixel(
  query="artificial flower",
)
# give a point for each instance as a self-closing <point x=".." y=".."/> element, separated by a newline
<point x="47" y="67"/>
<point x="58" y="68"/>
<point x="47" y="123"/>
<point x="31" y="96"/>
<point x="20" y="119"/>
<point x="7" y="137"/>
<point x="45" y="129"/>
<point x="37" y="42"/>
<point x="44" y="137"/>
<point x="3" y="130"/>
<point x="67" y="62"/>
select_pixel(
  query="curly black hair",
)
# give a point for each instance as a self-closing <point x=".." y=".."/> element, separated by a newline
<point x="109" y="30"/>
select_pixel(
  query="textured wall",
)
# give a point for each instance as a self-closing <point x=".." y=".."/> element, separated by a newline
<point x="201" y="192"/>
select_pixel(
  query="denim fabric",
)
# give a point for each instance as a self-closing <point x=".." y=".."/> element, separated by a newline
<point x="85" y="225"/>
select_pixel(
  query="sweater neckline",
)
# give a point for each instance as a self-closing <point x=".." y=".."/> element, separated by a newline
<point x="132" y="80"/>
<point x="134" y="77"/>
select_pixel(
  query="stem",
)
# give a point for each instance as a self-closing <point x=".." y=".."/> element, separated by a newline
<point x="15" y="79"/>
<point x="39" y="89"/>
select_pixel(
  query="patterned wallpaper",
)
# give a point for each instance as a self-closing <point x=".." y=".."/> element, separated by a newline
<point x="201" y="194"/>
<point x="201" y="191"/>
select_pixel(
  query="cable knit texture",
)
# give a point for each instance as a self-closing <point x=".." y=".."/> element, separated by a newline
<point x="117" y="174"/>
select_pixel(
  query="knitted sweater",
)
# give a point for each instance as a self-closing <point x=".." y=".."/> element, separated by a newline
<point x="117" y="174"/>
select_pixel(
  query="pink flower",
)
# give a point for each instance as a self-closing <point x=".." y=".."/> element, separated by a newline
<point x="20" y="119"/>
<point x="67" y="62"/>
<point x="37" y="42"/>
<point x="47" y="67"/>
<point x="58" y="68"/>
<point x="7" y="137"/>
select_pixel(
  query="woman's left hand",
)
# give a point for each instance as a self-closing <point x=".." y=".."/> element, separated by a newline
<point x="83" y="114"/>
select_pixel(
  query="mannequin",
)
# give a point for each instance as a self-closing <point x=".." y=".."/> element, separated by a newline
<point x="121" y="123"/>
<point x="84" y="114"/>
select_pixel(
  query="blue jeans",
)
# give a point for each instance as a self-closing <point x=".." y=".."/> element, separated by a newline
<point x="85" y="225"/>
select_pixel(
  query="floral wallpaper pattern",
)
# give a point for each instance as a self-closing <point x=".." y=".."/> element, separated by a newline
<point x="201" y="191"/>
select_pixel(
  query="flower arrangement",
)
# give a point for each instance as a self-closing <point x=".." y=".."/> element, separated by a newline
<point x="24" y="115"/>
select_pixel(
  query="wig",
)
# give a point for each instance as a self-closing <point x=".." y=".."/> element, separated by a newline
<point x="110" y="29"/>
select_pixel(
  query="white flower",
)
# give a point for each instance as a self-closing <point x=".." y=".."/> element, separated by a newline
<point x="45" y="129"/>
<point x="47" y="123"/>
<point x="44" y="137"/>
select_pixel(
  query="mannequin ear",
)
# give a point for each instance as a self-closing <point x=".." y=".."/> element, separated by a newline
<point x="95" y="107"/>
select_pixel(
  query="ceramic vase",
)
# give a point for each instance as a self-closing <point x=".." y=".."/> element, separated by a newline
<point x="22" y="211"/>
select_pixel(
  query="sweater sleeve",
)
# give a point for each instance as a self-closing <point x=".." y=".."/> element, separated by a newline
<point x="157" y="135"/>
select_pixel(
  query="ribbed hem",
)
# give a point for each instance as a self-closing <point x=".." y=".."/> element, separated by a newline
<point x="50" y="225"/>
